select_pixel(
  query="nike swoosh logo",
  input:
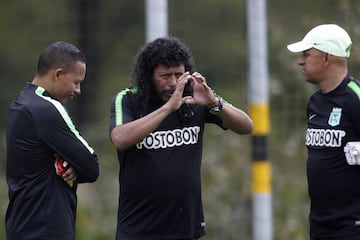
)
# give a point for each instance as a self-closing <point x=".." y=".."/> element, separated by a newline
<point x="312" y="116"/>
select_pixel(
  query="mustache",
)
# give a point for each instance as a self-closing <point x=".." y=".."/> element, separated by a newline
<point x="168" y="91"/>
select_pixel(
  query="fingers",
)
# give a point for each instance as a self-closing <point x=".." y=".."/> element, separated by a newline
<point x="181" y="89"/>
<point x="352" y="153"/>
<point x="185" y="78"/>
<point x="63" y="169"/>
<point x="200" y="80"/>
<point x="70" y="174"/>
<point x="198" y="77"/>
<point x="200" y="91"/>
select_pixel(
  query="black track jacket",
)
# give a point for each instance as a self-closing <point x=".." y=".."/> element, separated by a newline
<point x="41" y="204"/>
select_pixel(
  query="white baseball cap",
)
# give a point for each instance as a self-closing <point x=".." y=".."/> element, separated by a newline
<point x="329" y="38"/>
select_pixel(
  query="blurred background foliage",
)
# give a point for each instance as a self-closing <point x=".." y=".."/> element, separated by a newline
<point x="111" y="32"/>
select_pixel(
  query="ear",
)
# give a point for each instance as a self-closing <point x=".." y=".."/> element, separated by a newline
<point x="58" y="72"/>
<point x="327" y="57"/>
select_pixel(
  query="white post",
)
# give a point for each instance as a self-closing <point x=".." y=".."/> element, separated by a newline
<point x="259" y="112"/>
<point x="156" y="19"/>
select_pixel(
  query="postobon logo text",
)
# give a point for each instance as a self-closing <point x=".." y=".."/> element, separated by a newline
<point x="170" y="138"/>
<point x="324" y="137"/>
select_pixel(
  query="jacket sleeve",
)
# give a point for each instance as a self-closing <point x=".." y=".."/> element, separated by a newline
<point x="60" y="134"/>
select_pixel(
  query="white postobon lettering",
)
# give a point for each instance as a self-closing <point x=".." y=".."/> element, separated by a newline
<point x="324" y="137"/>
<point x="170" y="138"/>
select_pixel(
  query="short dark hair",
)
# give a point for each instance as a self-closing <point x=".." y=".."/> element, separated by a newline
<point x="167" y="51"/>
<point x="59" y="55"/>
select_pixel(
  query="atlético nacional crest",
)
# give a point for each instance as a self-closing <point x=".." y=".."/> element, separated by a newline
<point x="335" y="117"/>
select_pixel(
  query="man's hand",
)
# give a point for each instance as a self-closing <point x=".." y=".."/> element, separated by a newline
<point x="352" y="153"/>
<point x="64" y="170"/>
<point x="202" y="93"/>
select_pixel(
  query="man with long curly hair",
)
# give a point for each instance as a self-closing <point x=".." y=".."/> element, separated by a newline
<point x="157" y="127"/>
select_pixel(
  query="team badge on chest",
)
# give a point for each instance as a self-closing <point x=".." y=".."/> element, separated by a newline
<point x="335" y="117"/>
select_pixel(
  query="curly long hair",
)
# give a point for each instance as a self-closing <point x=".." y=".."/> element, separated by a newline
<point x="167" y="51"/>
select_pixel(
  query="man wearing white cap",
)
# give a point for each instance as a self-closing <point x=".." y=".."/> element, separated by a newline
<point x="333" y="119"/>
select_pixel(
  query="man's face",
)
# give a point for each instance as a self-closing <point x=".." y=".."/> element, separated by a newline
<point x="67" y="84"/>
<point x="165" y="79"/>
<point x="312" y="65"/>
